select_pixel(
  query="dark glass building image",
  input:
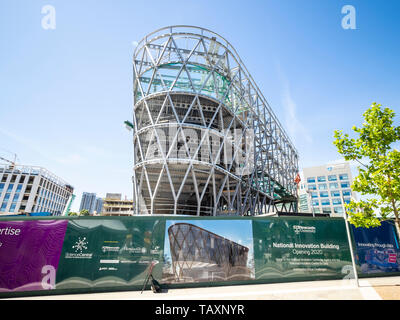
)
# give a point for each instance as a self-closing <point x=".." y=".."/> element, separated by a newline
<point x="200" y="255"/>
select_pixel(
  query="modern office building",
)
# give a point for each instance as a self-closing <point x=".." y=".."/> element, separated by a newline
<point x="91" y="202"/>
<point x="88" y="202"/>
<point x="206" y="142"/>
<point x="32" y="189"/>
<point x="98" y="207"/>
<point x="328" y="189"/>
<point x="114" y="205"/>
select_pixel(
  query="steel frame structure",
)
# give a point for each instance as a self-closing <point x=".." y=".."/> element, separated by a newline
<point x="206" y="141"/>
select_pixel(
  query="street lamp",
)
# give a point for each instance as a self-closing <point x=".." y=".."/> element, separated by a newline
<point x="128" y="125"/>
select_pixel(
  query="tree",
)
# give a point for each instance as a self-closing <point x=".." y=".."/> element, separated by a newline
<point x="72" y="213"/>
<point x="379" y="167"/>
<point x="84" y="212"/>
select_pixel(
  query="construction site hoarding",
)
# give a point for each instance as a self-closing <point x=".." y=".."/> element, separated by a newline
<point x="49" y="255"/>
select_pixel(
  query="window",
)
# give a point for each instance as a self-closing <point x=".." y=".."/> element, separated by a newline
<point x="311" y="180"/>
<point x="1" y="187"/>
<point x="321" y="179"/>
<point x="10" y="186"/>
<point x="322" y="186"/>
<point x="346" y="193"/>
<point x="332" y="177"/>
<point x="19" y="188"/>
<point x="4" y="206"/>
<point x="312" y="187"/>
<point x="338" y="209"/>
<point x="336" y="201"/>
<point x="343" y="176"/>
<point x="16" y="196"/>
<point x="7" y="196"/>
<point x="325" y="202"/>
<point x="326" y="210"/>
<point x="12" y="208"/>
<point x="333" y="185"/>
<point x="314" y="195"/>
<point x="335" y="193"/>
<point x="315" y="202"/>
<point x="317" y="210"/>
<point x="324" y="194"/>
<point x="346" y="200"/>
<point x="345" y="185"/>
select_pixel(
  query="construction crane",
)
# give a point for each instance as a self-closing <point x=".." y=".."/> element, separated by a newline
<point x="13" y="163"/>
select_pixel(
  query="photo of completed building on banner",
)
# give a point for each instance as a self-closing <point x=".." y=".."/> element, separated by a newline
<point x="206" y="142"/>
<point x="197" y="254"/>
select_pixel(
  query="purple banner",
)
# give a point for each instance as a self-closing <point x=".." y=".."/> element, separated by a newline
<point x="29" y="254"/>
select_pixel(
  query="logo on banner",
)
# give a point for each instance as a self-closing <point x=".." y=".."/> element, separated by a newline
<point x="79" y="247"/>
<point x="303" y="229"/>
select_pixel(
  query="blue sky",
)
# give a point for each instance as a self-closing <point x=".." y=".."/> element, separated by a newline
<point x="66" y="92"/>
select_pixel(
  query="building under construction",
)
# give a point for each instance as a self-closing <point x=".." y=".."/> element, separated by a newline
<point x="206" y="142"/>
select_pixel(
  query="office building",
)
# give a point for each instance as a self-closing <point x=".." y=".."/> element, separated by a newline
<point x="32" y="189"/>
<point x="88" y="202"/>
<point x="98" y="206"/>
<point x="324" y="189"/>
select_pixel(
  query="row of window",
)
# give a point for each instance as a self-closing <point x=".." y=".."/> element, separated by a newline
<point x="336" y="193"/>
<point x="333" y="177"/>
<point x="329" y="210"/>
<point x="332" y="185"/>
<point x="327" y="202"/>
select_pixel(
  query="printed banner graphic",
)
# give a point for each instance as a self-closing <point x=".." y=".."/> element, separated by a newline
<point x="110" y="252"/>
<point x="293" y="248"/>
<point x="116" y="252"/>
<point x="208" y="251"/>
<point x="377" y="248"/>
<point x="29" y="254"/>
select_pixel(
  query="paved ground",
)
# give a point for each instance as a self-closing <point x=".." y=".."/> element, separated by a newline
<point x="387" y="288"/>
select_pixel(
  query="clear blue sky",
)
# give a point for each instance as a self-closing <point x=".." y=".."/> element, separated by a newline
<point x="66" y="92"/>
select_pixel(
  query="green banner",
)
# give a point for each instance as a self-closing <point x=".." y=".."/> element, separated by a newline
<point x="300" y="248"/>
<point x="110" y="252"/>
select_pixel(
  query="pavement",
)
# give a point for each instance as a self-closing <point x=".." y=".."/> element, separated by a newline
<point x="380" y="288"/>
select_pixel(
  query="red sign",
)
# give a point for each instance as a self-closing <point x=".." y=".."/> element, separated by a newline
<point x="392" y="258"/>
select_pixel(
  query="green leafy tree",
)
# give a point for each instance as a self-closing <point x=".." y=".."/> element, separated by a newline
<point x="379" y="167"/>
<point x="72" y="213"/>
<point x="84" y="212"/>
